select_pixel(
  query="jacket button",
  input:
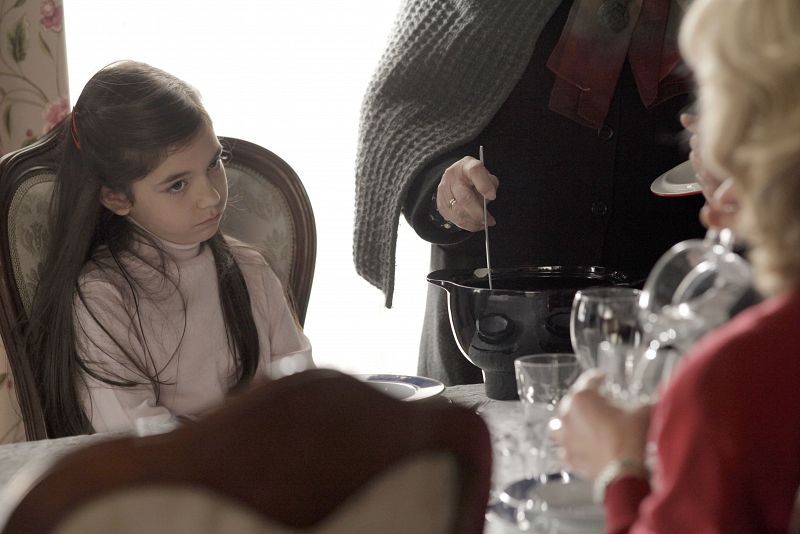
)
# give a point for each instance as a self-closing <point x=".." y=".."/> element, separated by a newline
<point x="605" y="132"/>
<point x="599" y="209"/>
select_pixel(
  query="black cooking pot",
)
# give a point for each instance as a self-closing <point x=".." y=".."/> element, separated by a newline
<point x="526" y="312"/>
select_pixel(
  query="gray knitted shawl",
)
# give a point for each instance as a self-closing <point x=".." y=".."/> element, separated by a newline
<point x="448" y="67"/>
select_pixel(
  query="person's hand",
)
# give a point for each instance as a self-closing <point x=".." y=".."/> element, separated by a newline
<point x="721" y="205"/>
<point x="459" y="197"/>
<point x="595" y="432"/>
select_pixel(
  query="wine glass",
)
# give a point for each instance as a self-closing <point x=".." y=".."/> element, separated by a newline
<point x="656" y="366"/>
<point x="609" y="314"/>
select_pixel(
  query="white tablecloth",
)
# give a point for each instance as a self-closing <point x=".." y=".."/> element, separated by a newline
<point x="513" y="458"/>
<point x="504" y="418"/>
<point x="15" y="456"/>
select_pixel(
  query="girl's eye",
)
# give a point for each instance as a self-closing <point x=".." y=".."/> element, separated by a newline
<point x="177" y="186"/>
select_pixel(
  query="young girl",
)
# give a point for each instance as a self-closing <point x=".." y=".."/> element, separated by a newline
<point x="144" y="308"/>
<point x="726" y="428"/>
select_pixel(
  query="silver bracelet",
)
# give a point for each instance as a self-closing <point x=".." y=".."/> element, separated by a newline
<point x="613" y="471"/>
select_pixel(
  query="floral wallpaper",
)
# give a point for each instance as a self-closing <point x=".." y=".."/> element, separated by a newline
<point x="33" y="71"/>
<point x="33" y="98"/>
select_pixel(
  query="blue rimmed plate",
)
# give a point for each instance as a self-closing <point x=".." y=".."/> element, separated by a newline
<point x="403" y="387"/>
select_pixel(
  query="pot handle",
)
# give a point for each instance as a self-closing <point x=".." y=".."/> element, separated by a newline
<point x="444" y="284"/>
<point x="557" y="323"/>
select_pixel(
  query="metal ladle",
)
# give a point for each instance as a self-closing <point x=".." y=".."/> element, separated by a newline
<point x="486" y="228"/>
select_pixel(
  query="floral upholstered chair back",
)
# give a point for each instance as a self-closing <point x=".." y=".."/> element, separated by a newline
<point x="34" y="94"/>
<point x="268" y="208"/>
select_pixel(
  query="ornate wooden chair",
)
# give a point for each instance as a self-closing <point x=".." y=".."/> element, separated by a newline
<point x="315" y="452"/>
<point x="268" y="208"/>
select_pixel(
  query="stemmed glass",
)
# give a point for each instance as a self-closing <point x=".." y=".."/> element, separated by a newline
<point x="606" y="333"/>
<point x="655" y="366"/>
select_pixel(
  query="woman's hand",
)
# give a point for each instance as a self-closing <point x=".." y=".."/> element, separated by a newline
<point x="721" y="205"/>
<point x="595" y="432"/>
<point x="459" y="197"/>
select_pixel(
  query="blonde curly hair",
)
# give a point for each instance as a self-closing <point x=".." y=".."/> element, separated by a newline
<point x="746" y="58"/>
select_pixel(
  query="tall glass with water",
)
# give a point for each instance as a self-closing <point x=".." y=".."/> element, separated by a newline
<point x="542" y="380"/>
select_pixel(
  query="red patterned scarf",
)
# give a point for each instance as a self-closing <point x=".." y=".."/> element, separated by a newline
<point x="597" y="37"/>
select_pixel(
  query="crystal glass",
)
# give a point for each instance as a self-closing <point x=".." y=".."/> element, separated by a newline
<point x="542" y="380"/>
<point x="507" y="428"/>
<point x="655" y="367"/>
<point x="601" y="314"/>
<point x="694" y="287"/>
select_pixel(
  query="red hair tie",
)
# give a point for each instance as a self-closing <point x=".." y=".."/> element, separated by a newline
<point x="74" y="128"/>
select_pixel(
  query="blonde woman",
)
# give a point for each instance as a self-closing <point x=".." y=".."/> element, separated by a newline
<point x="726" y="429"/>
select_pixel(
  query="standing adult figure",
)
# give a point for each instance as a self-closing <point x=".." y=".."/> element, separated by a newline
<point x="577" y="106"/>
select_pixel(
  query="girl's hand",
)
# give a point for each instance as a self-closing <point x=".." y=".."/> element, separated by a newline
<point x="721" y="204"/>
<point x="595" y="432"/>
<point x="459" y="197"/>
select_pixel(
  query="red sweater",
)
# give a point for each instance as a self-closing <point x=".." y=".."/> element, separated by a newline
<point x="727" y="430"/>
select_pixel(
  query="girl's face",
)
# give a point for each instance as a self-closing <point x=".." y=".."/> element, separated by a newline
<point x="183" y="199"/>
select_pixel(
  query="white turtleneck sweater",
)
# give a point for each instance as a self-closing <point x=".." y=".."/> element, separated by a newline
<point x="189" y="350"/>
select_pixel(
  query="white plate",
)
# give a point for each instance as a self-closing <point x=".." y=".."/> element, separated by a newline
<point x="407" y="388"/>
<point x="679" y="181"/>
<point x="562" y="499"/>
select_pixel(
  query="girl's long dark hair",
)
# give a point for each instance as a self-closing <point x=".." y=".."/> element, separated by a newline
<point x="128" y="118"/>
